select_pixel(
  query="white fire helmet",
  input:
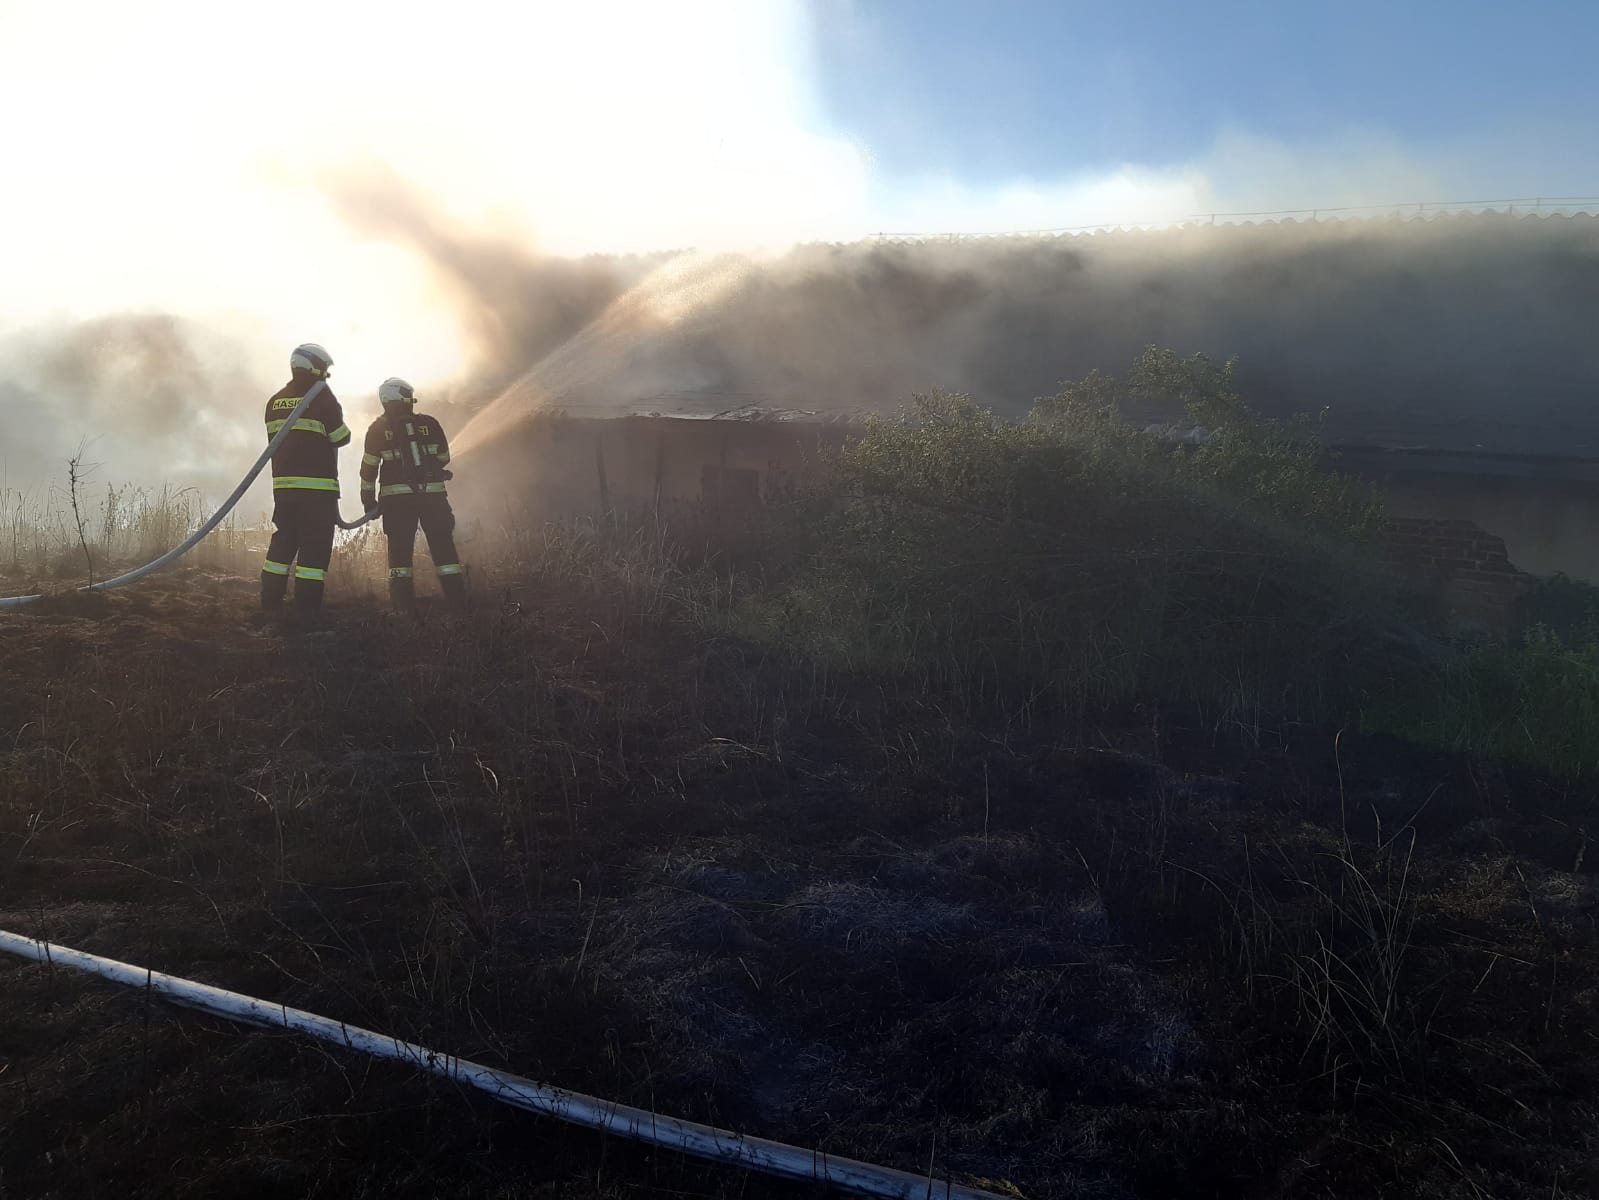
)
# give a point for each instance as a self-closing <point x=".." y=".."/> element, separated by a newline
<point x="311" y="357"/>
<point x="395" y="390"/>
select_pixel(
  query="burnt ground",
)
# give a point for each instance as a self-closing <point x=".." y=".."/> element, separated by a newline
<point x="1135" y="959"/>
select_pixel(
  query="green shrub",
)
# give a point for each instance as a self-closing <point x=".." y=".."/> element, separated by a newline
<point x="1275" y="469"/>
<point x="1072" y="559"/>
<point x="1568" y="606"/>
<point x="1534" y="698"/>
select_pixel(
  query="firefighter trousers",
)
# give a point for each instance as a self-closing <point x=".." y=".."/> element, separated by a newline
<point x="302" y="545"/>
<point x="401" y="517"/>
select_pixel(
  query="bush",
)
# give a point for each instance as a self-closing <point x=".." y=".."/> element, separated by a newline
<point x="1275" y="469"/>
<point x="1073" y="560"/>
<point x="1568" y="606"/>
<point x="1535" y="698"/>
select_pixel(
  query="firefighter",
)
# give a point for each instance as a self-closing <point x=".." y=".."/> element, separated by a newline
<point x="305" y="482"/>
<point x="403" y="474"/>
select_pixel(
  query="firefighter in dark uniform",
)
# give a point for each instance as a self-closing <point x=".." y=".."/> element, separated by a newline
<point x="305" y="482"/>
<point x="403" y="474"/>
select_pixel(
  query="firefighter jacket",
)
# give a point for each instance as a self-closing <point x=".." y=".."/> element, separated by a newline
<point x="406" y="453"/>
<point x="308" y="459"/>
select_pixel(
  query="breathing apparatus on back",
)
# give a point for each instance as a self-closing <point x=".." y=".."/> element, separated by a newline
<point x="399" y="408"/>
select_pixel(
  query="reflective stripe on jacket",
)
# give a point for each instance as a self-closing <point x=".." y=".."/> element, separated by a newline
<point x="308" y="459"/>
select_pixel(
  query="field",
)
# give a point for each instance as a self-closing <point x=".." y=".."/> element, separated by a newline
<point x="735" y="836"/>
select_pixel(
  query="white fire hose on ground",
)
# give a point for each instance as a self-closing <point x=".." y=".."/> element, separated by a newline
<point x="211" y="522"/>
<point x="637" y="1124"/>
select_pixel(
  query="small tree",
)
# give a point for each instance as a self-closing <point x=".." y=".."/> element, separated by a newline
<point x="78" y="473"/>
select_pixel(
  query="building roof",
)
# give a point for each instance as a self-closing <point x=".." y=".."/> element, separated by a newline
<point x="1457" y="333"/>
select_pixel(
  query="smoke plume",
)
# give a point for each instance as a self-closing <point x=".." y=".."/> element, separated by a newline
<point x="1454" y="332"/>
<point x="153" y="399"/>
<point x="512" y="303"/>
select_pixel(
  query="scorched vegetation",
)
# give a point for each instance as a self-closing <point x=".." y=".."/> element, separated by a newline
<point x="1016" y="805"/>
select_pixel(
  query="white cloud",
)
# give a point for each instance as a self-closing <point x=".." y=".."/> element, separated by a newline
<point x="1357" y="167"/>
<point x="1130" y="195"/>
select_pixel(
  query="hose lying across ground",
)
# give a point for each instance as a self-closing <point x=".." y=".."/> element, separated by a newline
<point x="688" y="1137"/>
<point x="211" y="522"/>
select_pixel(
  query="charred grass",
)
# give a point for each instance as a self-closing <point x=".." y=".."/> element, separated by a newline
<point x="999" y="808"/>
<point x="583" y="835"/>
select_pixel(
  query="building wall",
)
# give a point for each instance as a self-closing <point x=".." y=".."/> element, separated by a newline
<point x="1467" y="568"/>
<point x="1549" y="526"/>
<point x="1473" y="538"/>
<point x="642" y="464"/>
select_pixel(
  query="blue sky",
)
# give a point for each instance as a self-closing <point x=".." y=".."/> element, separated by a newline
<point x="1495" y="95"/>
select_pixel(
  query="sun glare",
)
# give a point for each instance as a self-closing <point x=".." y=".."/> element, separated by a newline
<point x="178" y="155"/>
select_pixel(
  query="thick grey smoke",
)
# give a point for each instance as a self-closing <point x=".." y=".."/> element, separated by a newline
<point x="153" y="399"/>
<point x="1453" y="332"/>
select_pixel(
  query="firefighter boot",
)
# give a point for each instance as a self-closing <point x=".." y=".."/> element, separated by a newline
<point x="274" y="586"/>
<point x="308" y="594"/>
<point x="402" y="589"/>
<point x="454" y="588"/>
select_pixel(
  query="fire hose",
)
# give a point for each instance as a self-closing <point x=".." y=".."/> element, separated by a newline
<point x="211" y="522"/>
<point x="688" y="1137"/>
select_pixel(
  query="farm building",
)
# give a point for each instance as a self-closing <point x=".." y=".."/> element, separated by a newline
<point x="1471" y="523"/>
<point x="1452" y="358"/>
